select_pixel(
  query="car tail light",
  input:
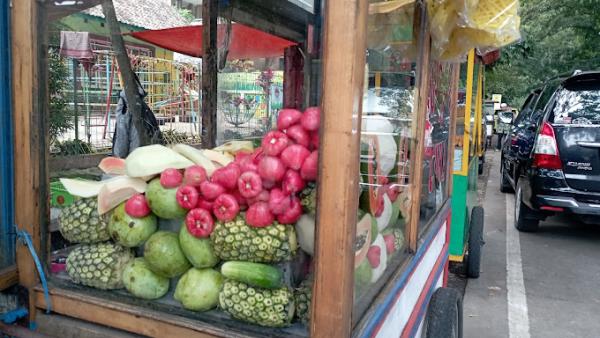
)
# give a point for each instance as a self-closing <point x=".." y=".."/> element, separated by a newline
<point x="545" y="154"/>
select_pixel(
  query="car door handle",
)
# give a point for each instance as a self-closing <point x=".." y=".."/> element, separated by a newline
<point x="589" y="144"/>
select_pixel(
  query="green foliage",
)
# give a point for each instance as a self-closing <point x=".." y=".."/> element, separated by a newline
<point x="61" y="115"/>
<point x="74" y="147"/>
<point x="186" y="14"/>
<point x="558" y="37"/>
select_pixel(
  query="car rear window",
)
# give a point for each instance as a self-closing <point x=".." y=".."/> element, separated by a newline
<point x="577" y="104"/>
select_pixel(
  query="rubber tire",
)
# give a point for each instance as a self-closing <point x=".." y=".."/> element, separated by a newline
<point x="475" y="243"/>
<point x="444" y="315"/>
<point x="505" y="186"/>
<point x="524" y="217"/>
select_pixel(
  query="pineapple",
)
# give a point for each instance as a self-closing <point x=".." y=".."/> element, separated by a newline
<point x="81" y="223"/>
<point x="303" y="296"/>
<point x="98" y="265"/>
<point x="235" y="240"/>
<point x="272" y="308"/>
<point x="308" y="198"/>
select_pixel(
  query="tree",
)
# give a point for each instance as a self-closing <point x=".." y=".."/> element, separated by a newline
<point x="558" y="37"/>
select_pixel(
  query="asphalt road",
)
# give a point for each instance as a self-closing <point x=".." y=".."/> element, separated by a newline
<point x="543" y="284"/>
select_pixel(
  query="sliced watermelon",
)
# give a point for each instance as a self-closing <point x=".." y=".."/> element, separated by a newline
<point x="112" y="165"/>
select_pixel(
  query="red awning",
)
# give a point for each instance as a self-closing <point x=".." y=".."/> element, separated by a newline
<point x="246" y="42"/>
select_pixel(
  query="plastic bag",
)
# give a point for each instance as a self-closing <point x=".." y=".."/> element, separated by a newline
<point x="459" y="26"/>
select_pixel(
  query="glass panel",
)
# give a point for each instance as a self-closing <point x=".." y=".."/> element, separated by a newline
<point x="200" y="209"/>
<point x="387" y="149"/>
<point x="437" y="126"/>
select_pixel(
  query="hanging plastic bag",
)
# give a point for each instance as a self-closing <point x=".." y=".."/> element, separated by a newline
<point x="126" y="137"/>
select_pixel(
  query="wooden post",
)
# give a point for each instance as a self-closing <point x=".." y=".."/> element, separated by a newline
<point x="417" y="164"/>
<point x="134" y="101"/>
<point x="30" y="113"/>
<point x="293" y="78"/>
<point x="75" y="99"/>
<point x="344" y="53"/>
<point x="209" y="73"/>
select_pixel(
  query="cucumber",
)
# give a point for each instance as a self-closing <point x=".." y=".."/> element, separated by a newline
<point x="255" y="274"/>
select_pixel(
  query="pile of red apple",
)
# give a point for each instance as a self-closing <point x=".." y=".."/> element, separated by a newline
<point x="263" y="183"/>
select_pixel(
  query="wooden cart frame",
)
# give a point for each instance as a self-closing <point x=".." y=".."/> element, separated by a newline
<point x="344" y="45"/>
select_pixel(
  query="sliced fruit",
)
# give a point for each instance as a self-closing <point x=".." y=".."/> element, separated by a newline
<point x="219" y="157"/>
<point x="234" y="147"/>
<point x="118" y="191"/>
<point x="363" y="237"/>
<point x="112" y="165"/>
<point x="382" y="251"/>
<point x="196" y="156"/>
<point x="384" y="220"/>
<point x="254" y="274"/>
<point x="83" y="188"/>
<point x="305" y="230"/>
<point x="153" y="160"/>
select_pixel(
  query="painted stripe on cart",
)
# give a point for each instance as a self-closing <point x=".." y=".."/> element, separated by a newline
<point x="419" y="311"/>
<point x="397" y="300"/>
<point x="518" y="316"/>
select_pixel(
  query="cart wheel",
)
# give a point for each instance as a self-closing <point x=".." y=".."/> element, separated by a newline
<point x="475" y="243"/>
<point x="524" y="217"/>
<point x="444" y="315"/>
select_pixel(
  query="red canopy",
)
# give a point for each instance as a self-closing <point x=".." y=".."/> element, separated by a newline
<point x="245" y="43"/>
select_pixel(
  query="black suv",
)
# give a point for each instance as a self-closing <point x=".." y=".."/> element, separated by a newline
<point x="551" y="158"/>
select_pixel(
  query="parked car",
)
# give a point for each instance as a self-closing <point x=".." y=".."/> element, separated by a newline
<point x="551" y="157"/>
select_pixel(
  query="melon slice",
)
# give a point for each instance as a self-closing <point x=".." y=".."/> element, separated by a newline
<point x="233" y="147"/>
<point x="386" y="216"/>
<point x="379" y="270"/>
<point x="118" y="191"/>
<point x="82" y="188"/>
<point x="363" y="237"/>
<point x="196" y="156"/>
<point x="112" y="165"/>
<point x="154" y="159"/>
<point x="217" y="156"/>
<point x="305" y="231"/>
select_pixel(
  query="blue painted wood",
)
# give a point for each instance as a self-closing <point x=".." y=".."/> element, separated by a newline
<point x="7" y="237"/>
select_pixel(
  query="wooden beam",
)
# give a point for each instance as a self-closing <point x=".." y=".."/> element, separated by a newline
<point x="28" y="136"/>
<point x="293" y="78"/>
<point x="125" y="317"/>
<point x="209" y="73"/>
<point x="344" y="53"/>
<point x="416" y="169"/>
<point x="134" y="101"/>
<point x="8" y="277"/>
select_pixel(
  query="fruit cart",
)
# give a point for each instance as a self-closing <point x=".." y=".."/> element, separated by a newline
<point x="467" y="216"/>
<point x="338" y="225"/>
